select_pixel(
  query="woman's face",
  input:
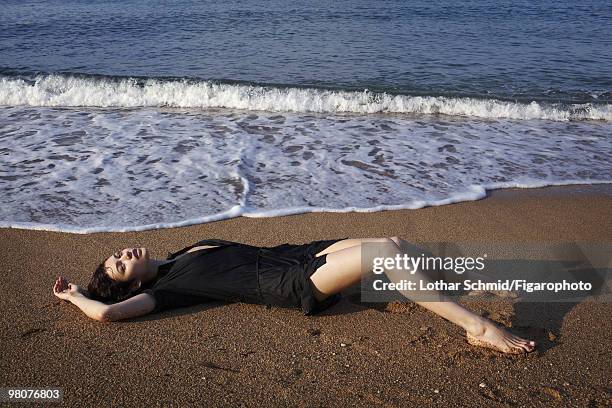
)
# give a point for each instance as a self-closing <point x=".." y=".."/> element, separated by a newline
<point x="128" y="264"/>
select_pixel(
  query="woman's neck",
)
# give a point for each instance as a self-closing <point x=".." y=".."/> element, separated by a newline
<point x="154" y="265"/>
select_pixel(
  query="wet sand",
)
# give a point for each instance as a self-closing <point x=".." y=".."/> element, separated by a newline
<point x="353" y="354"/>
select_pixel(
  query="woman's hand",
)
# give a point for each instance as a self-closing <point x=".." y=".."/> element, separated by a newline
<point x="64" y="289"/>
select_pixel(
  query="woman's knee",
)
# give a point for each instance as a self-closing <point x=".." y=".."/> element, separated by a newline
<point x="387" y="247"/>
<point x="372" y="248"/>
<point x="397" y="240"/>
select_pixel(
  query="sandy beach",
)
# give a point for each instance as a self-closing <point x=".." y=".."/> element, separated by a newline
<point x="350" y="355"/>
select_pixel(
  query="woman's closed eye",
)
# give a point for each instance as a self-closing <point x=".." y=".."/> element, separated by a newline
<point x="119" y="265"/>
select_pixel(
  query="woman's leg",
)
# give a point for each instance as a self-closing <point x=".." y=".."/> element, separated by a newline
<point x="344" y="269"/>
<point x="406" y="248"/>
<point x="347" y="243"/>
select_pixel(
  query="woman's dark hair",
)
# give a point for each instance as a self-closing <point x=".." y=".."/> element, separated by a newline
<point x="103" y="288"/>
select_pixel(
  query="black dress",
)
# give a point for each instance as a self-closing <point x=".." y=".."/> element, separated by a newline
<point x="236" y="272"/>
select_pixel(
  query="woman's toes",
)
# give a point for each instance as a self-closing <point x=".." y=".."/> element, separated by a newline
<point x="526" y="345"/>
<point x="512" y="349"/>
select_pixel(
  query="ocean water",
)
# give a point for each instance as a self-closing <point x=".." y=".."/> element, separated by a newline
<point x="132" y="115"/>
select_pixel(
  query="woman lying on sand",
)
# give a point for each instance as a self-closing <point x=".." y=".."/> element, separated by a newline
<point x="309" y="276"/>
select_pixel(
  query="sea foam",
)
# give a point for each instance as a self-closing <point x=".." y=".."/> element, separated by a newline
<point x="69" y="169"/>
<point x="55" y="90"/>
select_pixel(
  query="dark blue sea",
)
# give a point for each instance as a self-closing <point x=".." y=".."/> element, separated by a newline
<point x="131" y="115"/>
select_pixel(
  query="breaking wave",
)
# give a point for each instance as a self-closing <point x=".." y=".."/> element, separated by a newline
<point x="61" y="90"/>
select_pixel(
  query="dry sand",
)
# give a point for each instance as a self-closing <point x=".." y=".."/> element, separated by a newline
<point x="352" y="354"/>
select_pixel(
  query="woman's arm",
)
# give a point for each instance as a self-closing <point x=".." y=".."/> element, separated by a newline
<point x="138" y="305"/>
<point x="135" y="306"/>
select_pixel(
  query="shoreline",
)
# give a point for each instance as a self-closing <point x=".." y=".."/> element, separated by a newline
<point x="351" y="354"/>
<point x="603" y="188"/>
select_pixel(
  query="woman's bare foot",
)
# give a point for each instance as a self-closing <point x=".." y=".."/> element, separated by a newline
<point x="487" y="334"/>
